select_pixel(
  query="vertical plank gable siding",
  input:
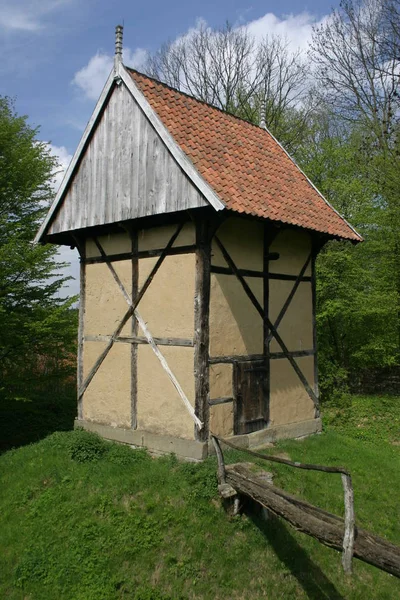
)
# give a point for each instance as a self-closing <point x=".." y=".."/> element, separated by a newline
<point x="125" y="173"/>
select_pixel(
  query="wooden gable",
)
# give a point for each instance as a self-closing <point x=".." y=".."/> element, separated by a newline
<point x="125" y="172"/>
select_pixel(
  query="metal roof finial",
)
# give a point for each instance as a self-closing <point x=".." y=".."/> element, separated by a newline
<point x="118" y="44"/>
<point x="263" y="108"/>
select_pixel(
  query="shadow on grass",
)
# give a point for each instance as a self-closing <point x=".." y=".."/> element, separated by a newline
<point x="309" y="575"/>
<point x="27" y="420"/>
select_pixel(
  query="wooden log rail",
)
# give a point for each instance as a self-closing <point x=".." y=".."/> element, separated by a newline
<point x="327" y="528"/>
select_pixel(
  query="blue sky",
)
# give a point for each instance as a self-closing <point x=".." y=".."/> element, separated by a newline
<point x="56" y="54"/>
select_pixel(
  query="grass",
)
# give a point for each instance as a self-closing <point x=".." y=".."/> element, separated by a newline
<point x="84" y="519"/>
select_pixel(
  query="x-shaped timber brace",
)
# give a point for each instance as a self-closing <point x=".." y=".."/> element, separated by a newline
<point x="132" y="311"/>
<point x="270" y="329"/>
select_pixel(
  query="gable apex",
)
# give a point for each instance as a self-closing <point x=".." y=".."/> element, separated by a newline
<point x="126" y="166"/>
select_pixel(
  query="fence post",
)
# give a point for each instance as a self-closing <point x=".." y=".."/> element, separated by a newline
<point x="349" y="523"/>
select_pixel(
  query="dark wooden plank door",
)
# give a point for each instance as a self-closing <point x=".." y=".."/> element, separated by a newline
<point x="251" y="406"/>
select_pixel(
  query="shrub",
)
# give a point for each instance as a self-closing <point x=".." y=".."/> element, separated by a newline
<point x="85" y="446"/>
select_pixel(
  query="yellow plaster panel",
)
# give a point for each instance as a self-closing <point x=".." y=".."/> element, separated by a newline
<point x="158" y="237"/>
<point x="294" y="247"/>
<point x="243" y="239"/>
<point x="296" y="327"/>
<point x="159" y="406"/>
<point x="221" y="419"/>
<point x="104" y="303"/>
<point x="289" y="401"/>
<point x="168" y="304"/>
<point x="221" y="381"/>
<point x="235" y="325"/>
<point x="114" y="243"/>
<point x="107" y="399"/>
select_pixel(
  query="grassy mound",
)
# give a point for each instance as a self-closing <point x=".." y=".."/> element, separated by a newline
<point x="84" y="519"/>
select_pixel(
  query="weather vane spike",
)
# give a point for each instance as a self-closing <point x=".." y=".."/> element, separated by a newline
<point x="118" y="44"/>
<point x="263" y="109"/>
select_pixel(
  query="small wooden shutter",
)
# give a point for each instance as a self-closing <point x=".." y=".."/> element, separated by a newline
<point x="251" y="410"/>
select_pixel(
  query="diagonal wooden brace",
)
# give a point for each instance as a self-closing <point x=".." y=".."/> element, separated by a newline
<point x="271" y="327"/>
<point x="130" y="311"/>
<point x="151" y="341"/>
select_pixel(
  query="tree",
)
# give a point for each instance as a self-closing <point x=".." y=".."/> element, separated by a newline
<point x="229" y="69"/>
<point x="357" y="59"/>
<point x="37" y="327"/>
<point x="356" y="299"/>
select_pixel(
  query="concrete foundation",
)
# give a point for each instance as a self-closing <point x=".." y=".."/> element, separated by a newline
<point x="155" y="443"/>
<point x="194" y="450"/>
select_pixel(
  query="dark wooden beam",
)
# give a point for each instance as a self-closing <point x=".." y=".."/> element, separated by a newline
<point x="267" y="240"/>
<point x="293" y="353"/>
<point x="140" y="254"/>
<point x="134" y="329"/>
<point x="202" y="326"/>
<point x="250" y="273"/>
<point x="223" y="400"/>
<point x="216" y="360"/>
<point x="316" y="248"/>
<point x="81" y="328"/>
<point x="135" y="339"/>
<point x="285" y="277"/>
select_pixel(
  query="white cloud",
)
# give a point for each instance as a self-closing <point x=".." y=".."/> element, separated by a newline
<point x="91" y="78"/>
<point x="12" y="18"/>
<point x="27" y="15"/>
<point x="63" y="158"/>
<point x="297" y="29"/>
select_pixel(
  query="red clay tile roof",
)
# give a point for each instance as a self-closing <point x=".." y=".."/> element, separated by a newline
<point x="243" y="163"/>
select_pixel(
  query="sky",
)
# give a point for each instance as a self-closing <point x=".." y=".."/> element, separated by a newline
<point x="56" y="54"/>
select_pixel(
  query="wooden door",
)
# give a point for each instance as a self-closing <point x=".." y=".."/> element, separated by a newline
<point x="251" y="406"/>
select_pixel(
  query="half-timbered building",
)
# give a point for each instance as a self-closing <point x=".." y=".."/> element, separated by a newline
<point x="197" y="236"/>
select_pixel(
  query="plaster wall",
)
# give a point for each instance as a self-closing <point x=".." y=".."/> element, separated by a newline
<point x="289" y="401"/>
<point x="293" y="246"/>
<point x="104" y="303"/>
<point x="296" y="327"/>
<point x="221" y="380"/>
<point x="244" y="241"/>
<point x="159" y="406"/>
<point x="168" y="304"/>
<point x="107" y="399"/>
<point x="112" y="243"/>
<point x="235" y="325"/>
<point x="158" y="237"/>
<point x="221" y="419"/>
<point x="221" y="415"/>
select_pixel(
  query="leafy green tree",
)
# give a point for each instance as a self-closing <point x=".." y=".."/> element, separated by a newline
<point x="356" y="53"/>
<point x="357" y="296"/>
<point x="37" y="326"/>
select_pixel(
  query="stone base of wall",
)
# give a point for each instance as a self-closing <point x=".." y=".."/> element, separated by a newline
<point x="155" y="443"/>
<point x="257" y="439"/>
<point x="194" y="450"/>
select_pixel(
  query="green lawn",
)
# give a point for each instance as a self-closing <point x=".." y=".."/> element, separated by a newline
<point x="83" y="519"/>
